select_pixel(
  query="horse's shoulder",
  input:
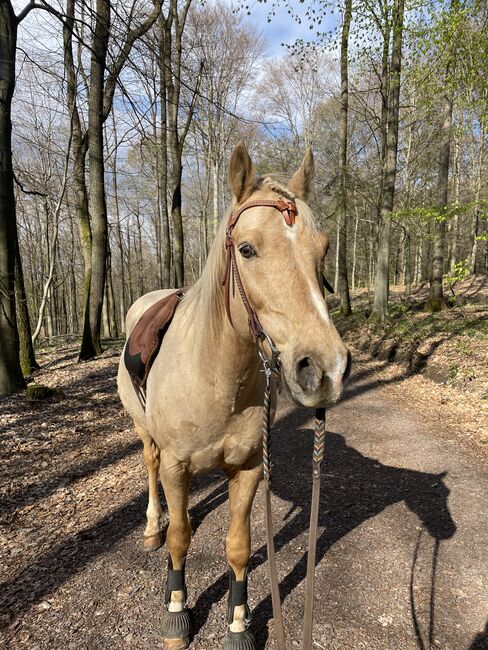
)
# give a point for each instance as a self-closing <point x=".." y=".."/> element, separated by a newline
<point x="140" y="306"/>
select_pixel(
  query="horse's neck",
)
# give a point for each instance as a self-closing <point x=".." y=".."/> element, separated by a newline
<point x="230" y="359"/>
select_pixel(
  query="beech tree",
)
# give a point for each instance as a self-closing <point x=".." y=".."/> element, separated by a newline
<point x="342" y="206"/>
<point x="388" y="180"/>
<point x="11" y="377"/>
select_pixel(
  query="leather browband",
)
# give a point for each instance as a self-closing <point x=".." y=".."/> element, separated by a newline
<point x="289" y="210"/>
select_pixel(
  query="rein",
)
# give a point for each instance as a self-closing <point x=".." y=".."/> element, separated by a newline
<point x="272" y="368"/>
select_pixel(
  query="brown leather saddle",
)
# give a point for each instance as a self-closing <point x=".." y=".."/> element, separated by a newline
<point x="146" y="338"/>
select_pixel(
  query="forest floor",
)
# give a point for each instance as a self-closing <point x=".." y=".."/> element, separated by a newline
<point x="401" y="561"/>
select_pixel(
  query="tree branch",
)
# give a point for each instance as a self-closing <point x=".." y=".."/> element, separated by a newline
<point x="24" y="191"/>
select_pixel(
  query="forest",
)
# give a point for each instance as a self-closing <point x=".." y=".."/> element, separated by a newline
<point x="117" y="119"/>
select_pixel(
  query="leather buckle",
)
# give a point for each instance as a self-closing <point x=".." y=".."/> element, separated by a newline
<point x="288" y="209"/>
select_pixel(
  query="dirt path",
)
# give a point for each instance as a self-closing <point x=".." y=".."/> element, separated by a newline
<point x="402" y="552"/>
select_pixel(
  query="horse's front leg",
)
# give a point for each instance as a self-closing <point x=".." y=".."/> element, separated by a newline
<point x="153" y="534"/>
<point x="243" y="484"/>
<point x="176" y="620"/>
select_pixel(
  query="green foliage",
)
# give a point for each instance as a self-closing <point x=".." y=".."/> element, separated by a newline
<point x="460" y="271"/>
<point x="38" y="392"/>
<point x="453" y="371"/>
<point x="433" y="213"/>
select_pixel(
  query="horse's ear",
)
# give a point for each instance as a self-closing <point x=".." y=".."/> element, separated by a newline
<point x="241" y="173"/>
<point x="302" y="180"/>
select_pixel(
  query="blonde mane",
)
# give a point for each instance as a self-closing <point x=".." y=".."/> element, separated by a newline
<point x="207" y="295"/>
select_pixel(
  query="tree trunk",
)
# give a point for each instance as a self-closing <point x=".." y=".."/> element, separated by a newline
<point x="354" y="253"/>
<point x="380" y="305"/>
<point x="436" y="295"/>
<point x="477" y="193"/>
<point x="343" y="283"/>
<point x="96" y="172"/>
<point x="28" y="361"/>
<point x="11" y="377"/>
<point x="87" y="350"/>
<point x="112" y="312"/>
<point x="454" y="252"/>
<point x="175" y="24"/>
<point x="176" y="220"/>
<point x="163" y="159"/>
<point x="173" y="93"/>
<point x="408" y="262"/>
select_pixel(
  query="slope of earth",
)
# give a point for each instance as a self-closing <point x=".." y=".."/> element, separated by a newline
<point x="450" y="348"/>
<point x="401" y="561"/>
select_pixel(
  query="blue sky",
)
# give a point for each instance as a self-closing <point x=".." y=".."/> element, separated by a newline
<point x="282" y="28"/>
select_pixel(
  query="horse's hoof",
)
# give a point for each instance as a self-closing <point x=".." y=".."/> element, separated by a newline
<point x="176" y="630"/>
<point x="239" y="641"/>
<point x="176" y="644"/>
<point x="153" y="542"/>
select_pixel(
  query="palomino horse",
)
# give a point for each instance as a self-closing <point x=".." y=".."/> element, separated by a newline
<point x="204" y="394"/>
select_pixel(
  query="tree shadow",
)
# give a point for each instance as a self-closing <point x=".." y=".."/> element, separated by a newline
<point x="355" y="488"/>
<point x="30" y="493"/>
<point x="54" y="567"/>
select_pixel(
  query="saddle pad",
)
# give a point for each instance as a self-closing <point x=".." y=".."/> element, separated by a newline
<point x="145" y="339"/>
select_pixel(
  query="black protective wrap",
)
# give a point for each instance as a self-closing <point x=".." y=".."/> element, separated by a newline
<point x="237" y="595"/>
<point x="175" y="580"/>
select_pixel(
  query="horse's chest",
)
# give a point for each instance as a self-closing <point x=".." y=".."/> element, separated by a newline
<point x="205" y="441"/>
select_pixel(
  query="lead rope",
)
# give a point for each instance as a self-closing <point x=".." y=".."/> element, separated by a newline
<point x="273" y="574"/>
<point x="318" y="456"/>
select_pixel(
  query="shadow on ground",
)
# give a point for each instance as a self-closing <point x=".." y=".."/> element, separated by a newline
<point x="354" y="489"/>
<point x="481" y="640"/>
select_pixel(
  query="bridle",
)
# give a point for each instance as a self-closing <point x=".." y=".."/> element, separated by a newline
<point x="288" y="210"/>
<point x="272" y="368"/>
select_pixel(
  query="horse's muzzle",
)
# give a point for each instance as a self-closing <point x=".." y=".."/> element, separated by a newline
<point x="314" y="384"/>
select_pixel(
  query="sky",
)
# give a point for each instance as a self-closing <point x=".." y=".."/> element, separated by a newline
<point x="282" y="28"/>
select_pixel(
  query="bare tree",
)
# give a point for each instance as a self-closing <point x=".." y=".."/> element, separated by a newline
<point x="11" y="376"/>
<point x="380" y="305"/>
<point x="343" y="283"/>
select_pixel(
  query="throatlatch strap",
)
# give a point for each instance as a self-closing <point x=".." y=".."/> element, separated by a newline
<point x="175" y="580"/>
<point x="237" y="595"/>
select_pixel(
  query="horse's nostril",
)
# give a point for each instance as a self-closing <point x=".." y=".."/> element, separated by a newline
<point x="347" y="371"/>
<point x="307" y="375"/>
<point x="304" y="363"/>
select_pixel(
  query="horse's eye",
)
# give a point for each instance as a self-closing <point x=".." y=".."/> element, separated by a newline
<point x="247" y="251"/>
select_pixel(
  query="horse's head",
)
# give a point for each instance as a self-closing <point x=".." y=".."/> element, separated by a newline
<point x="280" y="258"/>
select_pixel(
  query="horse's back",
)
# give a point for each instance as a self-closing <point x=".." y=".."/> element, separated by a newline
<point x="141" y="305"/>
<point x="125" y="387"/>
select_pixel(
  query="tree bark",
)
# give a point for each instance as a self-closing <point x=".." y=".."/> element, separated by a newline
<point x="28" y="361"/>
<point x="11" y="377"/>
<point x="175" y="22"/>
<point x="163" y="159"/>
<point x="96" y="173"/>
<point x="436" y="296"/>
<point x="343" y="282"/>
<point x="477" y="194"/>
<point x="79" y="148"/>
<point x="380" y="305"/>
